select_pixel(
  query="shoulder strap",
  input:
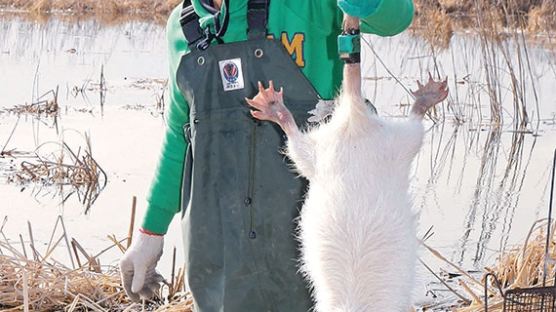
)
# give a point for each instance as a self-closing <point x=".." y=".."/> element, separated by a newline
<point x="189" y="21"/>
<point x="257" y="18"/>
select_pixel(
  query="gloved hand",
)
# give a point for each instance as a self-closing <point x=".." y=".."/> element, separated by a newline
<point x="138" y="264"/>
<point x="359" y="8"/>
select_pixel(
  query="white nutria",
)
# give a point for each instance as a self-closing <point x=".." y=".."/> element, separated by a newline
<point x="357" y="228"/>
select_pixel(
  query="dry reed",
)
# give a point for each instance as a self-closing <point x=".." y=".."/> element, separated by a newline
<point x="42" y="107"/>
<point x="501" y="27"/>
<point x="539" y="15"/>
<point x="436" y="29"/>
<point x="51" y="286"/>
<point x="520" y="267"/>
<point x="536" y="15"/>
<point x="78" y="171"/>
<point x="31" y="280"/>
<point x="85" y="6"/>
<point x="542" y="18"/>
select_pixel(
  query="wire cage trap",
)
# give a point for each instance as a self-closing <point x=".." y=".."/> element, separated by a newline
<point x="530" y="299"/>
<point x="534" y="299"/>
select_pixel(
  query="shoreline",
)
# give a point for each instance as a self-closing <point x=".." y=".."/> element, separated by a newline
<point x="435" y="27"/>
<point x="534" y="16"/>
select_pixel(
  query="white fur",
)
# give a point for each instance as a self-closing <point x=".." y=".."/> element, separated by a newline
<point x="357" y="228"/>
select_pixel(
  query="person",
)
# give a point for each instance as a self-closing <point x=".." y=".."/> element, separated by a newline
<point x="222" y="168"/>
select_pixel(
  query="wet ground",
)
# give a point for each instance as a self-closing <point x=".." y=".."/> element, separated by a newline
<point x="480" y="187"/>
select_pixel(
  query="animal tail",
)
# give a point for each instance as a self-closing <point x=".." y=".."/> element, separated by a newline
<point x="351" y="106"/>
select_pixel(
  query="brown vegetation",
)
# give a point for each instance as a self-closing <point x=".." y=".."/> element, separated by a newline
<point x="42" y="107"/>
<point x="543" y="17"/>
<point x="533" y="15"/>
<point x="504" y="29"/>
<point x="96" y="6"/>
<point x="49" y="286"/>
<point x="67" y="172"/>
<point x="519" y="268"/>
<point x="33" y="280"/>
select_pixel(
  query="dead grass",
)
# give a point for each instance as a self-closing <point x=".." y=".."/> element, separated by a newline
<point x="536" y="16"/>
<point x="504" y="29"/>
<point x="33" y="280"/>
<point x="46" y="105"/>
<point x="521" y="267"/>
<point x="63" y="171"/>
<point x="542" y="18"/>
<point x="97" y="6"/>
<point x="47" y="286"/>
<point x="436" y="29"/>
<point x="46" y="108"/>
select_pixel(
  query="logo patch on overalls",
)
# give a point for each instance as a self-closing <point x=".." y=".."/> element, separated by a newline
<point x="231" y="73"/>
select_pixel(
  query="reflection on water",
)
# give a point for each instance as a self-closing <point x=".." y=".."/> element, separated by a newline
<point x="111" y="79"/>
<point x="477" y="82"/>
<point x="481" y="187"/>
<point x="36" y="57"/>
<point x="489" y="187"/>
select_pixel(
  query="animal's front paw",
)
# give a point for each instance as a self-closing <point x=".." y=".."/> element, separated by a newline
<point x="269" y="105"/>
<point x="426" y="96"/>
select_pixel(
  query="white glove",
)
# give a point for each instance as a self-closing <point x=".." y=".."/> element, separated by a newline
<point x="138" y="264"/>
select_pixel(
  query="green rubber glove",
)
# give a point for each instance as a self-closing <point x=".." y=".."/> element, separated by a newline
<point x="359" y="8"/>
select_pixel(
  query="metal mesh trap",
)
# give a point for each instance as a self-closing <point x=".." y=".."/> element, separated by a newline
<point x="533" y="299"/>
<point x="538" y="299"/>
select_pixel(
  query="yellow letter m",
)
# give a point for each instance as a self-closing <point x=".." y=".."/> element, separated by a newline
<point x="295" y="47"/>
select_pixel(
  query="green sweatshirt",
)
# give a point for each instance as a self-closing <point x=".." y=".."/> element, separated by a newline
<point x="308" y="29"/>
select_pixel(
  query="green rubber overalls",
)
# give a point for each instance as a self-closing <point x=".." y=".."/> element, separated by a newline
<point x="240" y="197"/>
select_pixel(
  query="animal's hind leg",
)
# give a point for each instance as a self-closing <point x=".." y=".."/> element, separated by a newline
<point x="269" y="105"/>
<point x="426" y="96"/>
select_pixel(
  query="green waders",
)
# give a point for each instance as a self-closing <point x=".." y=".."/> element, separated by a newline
<point x="240" y="197"/>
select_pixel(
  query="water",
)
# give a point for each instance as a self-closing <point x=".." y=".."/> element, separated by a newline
<point x="125" y="132"/>
<point x="479" y="187"/>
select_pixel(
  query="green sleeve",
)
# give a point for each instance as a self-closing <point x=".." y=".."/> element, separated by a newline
<point x="390" y="18"/>
<point x="164" y="197"/>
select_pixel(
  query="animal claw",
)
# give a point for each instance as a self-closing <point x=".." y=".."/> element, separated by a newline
<point x="445" y="82"/>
